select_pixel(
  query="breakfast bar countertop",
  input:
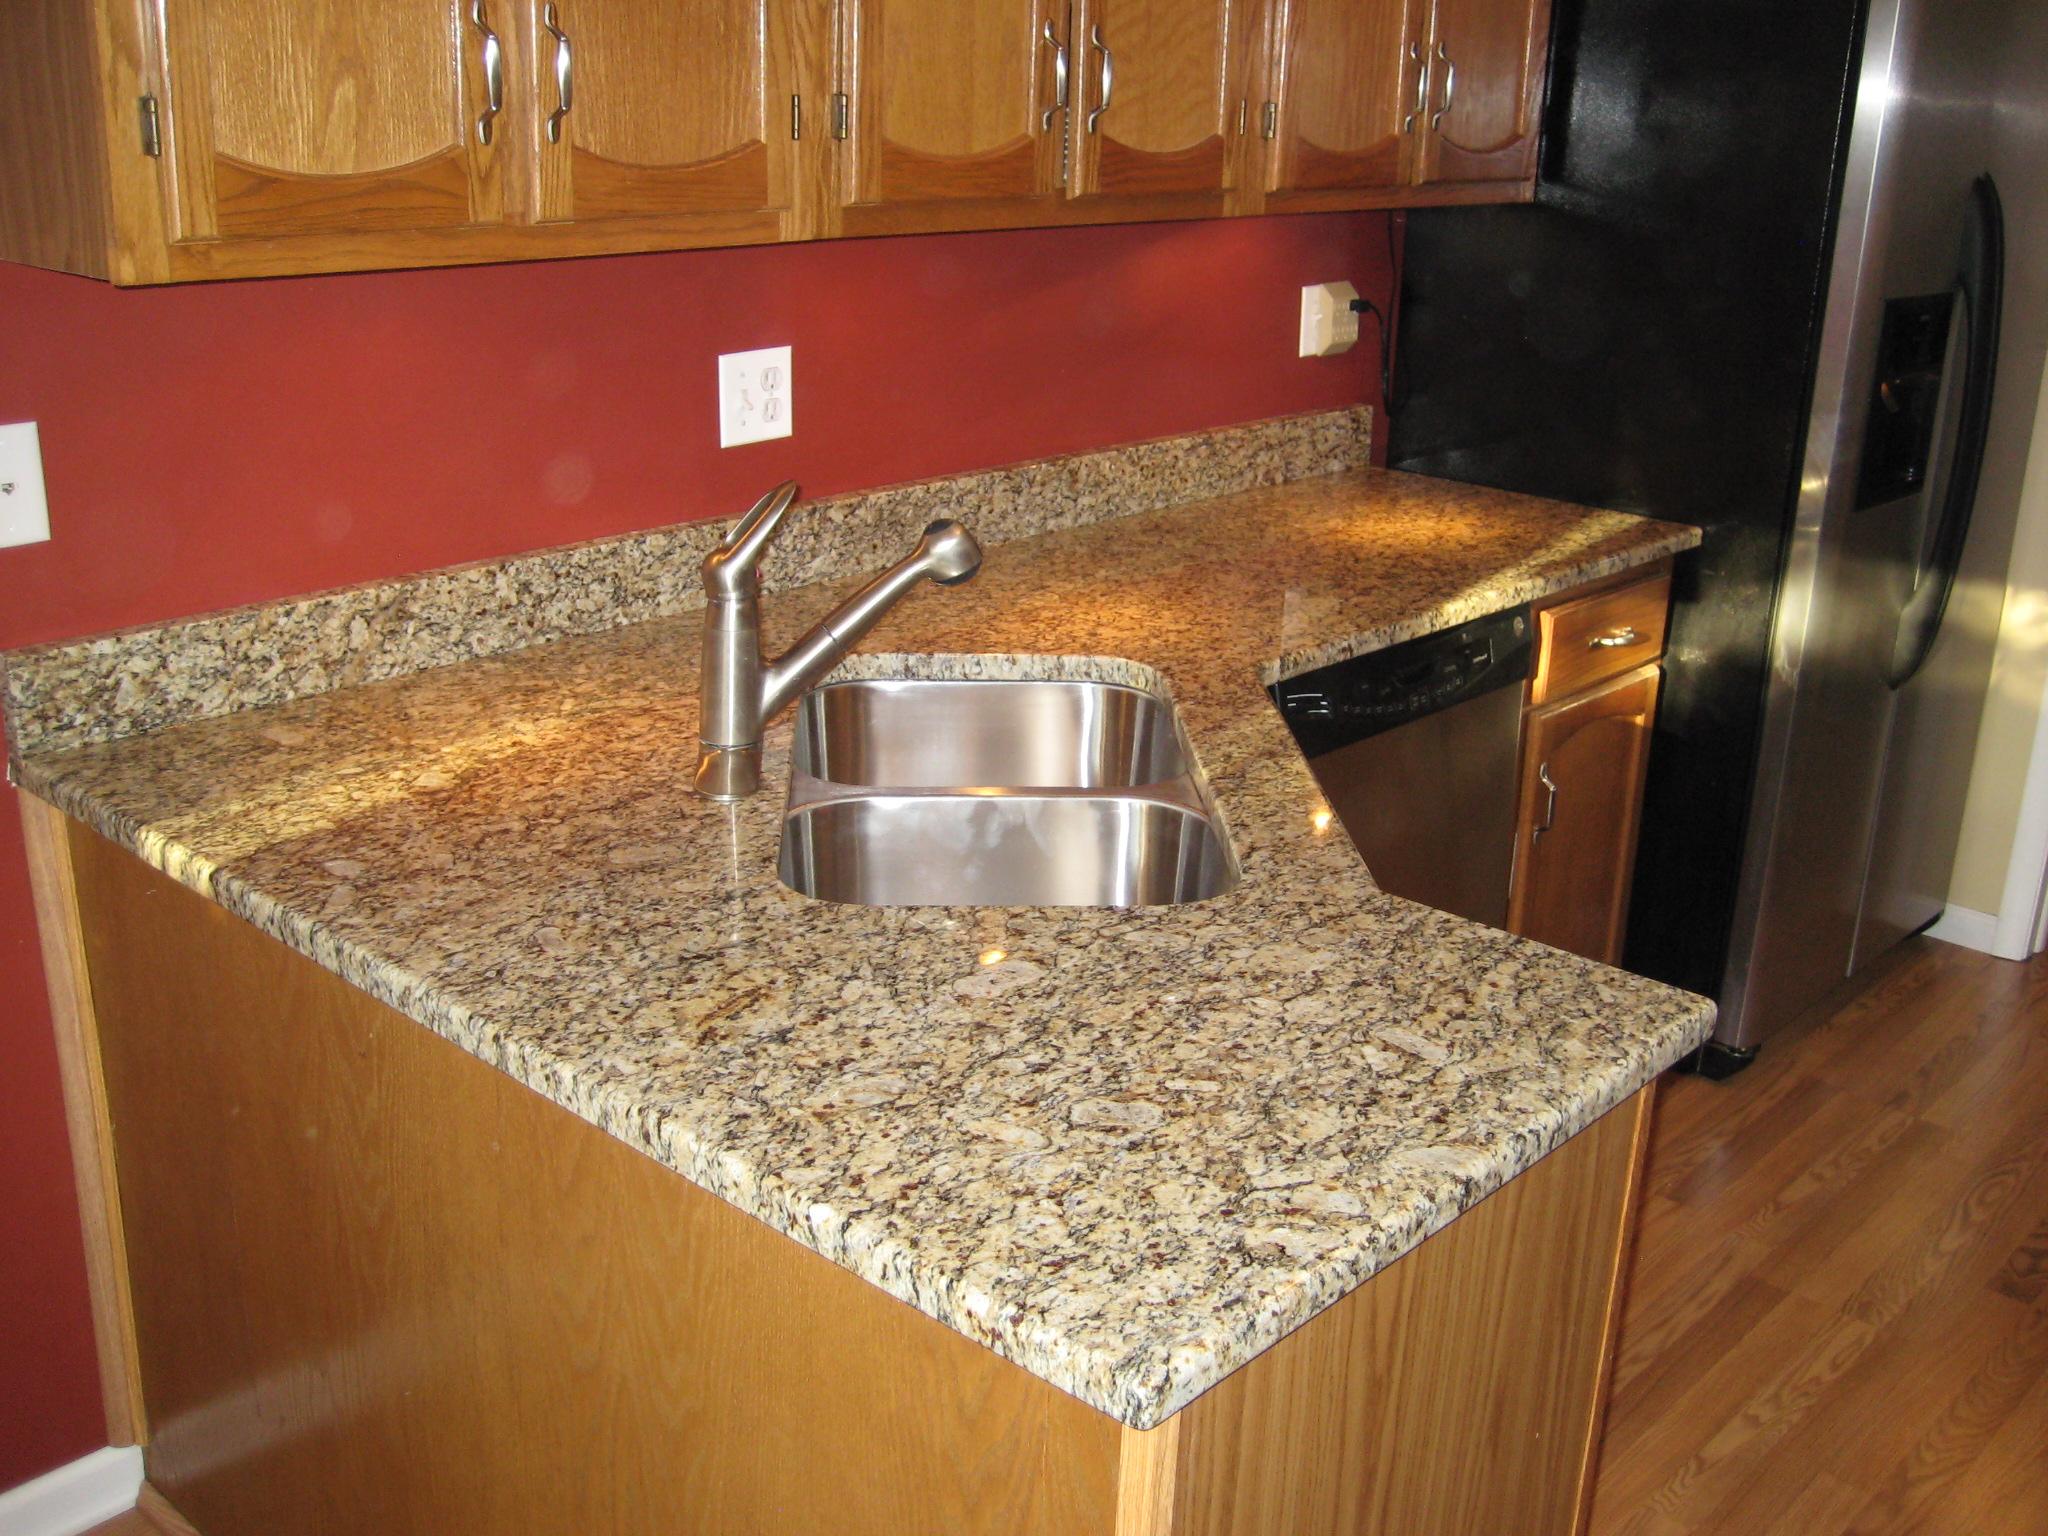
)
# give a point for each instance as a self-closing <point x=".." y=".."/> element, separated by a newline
<point x="1126" y="1149"/>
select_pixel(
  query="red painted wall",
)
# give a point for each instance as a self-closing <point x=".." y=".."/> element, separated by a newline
<point x="213" y="445"/>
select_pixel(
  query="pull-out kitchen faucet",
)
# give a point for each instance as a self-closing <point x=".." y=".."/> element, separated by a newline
<point x="742" y="692"/>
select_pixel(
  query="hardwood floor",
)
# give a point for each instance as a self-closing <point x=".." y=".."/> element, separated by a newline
<point x="1837" y="1323"/>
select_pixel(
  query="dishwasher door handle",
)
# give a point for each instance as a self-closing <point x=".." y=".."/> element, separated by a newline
<point x="1550" y="803"/>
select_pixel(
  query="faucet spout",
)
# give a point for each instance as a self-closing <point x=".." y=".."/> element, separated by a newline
<point x="946" y="554"/>
<point x="741" y="692"/>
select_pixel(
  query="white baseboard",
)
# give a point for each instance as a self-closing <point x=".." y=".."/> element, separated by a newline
<point x="1971" y="929"/>
<point x="76" y="1497"/>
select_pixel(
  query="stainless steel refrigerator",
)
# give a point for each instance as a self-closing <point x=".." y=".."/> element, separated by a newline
<point x="1759" y="290"/>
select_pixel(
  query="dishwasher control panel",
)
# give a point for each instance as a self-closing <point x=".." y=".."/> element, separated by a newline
<point x="1352" y="700"/>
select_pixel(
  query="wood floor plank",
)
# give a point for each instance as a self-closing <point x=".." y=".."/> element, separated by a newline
<point x="1826" y="1506"/>
<point x="1837" y="1324"/>
<point x="2024" y="1276"/>
<point x="1646" y="1456"/>
<point x="1917" y="1486"/>
<point x="2004" y="1491"/>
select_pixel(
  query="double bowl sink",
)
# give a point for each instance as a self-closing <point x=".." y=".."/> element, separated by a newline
<point x="998" y="792"/>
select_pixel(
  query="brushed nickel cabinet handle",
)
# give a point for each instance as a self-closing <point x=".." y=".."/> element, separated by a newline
<point x="494" y="72"/>
<point x="1550" y="803"/>
<point x="1421" y="61"/>
<point x="1450" y="88"/>
<point x="1059" y="78"/>
<point x="1614" y="639"/>
<point x="1108" y="78"/>
<point x="565" y="72"/>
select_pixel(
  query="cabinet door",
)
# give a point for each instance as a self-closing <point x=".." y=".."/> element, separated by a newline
<point x="1581" y="797"/>
<point x="677" y="114"/>
<point x="1339" y="109"/>
<point x="298" y="117"/>
<point x="1485" y="89"/>
<point x="954" y="120"/>
<point x="1157" y="96"/>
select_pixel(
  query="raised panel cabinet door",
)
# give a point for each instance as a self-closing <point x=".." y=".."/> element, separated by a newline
<point x="310" y="117"/>
<point x="1580" y="802"/>
<point x="683" y="114"/>
<point x="1485" y="90"/>
<point x="1340" y="112"/>
<point x="955" y="112"/>
<point x="1158" y="96"/>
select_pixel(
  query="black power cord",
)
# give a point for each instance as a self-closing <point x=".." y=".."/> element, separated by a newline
<point x="1367" y="307"/>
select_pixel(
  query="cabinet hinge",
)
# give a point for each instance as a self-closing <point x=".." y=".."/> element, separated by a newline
<point x="839" y="114"/>
<point x="1269" y="123"/>
<point x="796" y="116"/>
<point x="152" y="129"/>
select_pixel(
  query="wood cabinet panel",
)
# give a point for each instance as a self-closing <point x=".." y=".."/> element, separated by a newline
<point x="1338" y="75"/>
<point x="1578" y="808"/>
<point x="1587" y="640"/>
<point x="329" y="116"/>
<point x="1157" y="96"/>
<point x="1486" y="89"/>
<point x="1453" y="1393"/>
<point x="950" y="103"/>
<point x="675" y="110"/>
<point x="382" y="1287"/>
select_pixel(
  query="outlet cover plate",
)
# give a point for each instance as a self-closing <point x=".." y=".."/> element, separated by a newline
<point x="24" y="509"/>
<point x="1329" y="325"/>
<point x="754" y="396"/>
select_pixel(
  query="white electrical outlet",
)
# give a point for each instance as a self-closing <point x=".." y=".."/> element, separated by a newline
<point x="753" y="396"/>
<point x="1329" y="324"/>
<point x="24" y="510"/>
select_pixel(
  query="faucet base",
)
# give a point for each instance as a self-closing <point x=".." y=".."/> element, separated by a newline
<point x="727" y="773"/>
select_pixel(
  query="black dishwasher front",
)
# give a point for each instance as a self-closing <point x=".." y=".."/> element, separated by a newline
<point x="1415" y="748"/>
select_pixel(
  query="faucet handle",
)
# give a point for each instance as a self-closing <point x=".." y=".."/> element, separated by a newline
<point x="729" y="568"/>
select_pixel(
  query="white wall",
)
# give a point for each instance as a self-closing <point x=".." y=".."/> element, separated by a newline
<point x="2013" y="501"/>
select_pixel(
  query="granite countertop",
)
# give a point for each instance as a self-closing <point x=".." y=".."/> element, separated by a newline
<point x="1126" y="1149"/>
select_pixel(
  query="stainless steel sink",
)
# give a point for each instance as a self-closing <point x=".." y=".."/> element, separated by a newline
<point x="998" y="793"/>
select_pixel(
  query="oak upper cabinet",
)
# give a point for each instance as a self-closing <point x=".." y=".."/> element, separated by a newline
<point x="1380" y="103"/>
<point x="682" y="118"/>
<point x="1483" y="88"/>
<point x="168" y="140"/>
<point x="330" y="117"/>
<point x="1159" y="99"/>
<point x="1335" y="112"/>
<point x="953" y="115"/>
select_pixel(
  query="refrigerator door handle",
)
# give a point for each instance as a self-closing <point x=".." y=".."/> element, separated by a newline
<point x="1981" y="287"/>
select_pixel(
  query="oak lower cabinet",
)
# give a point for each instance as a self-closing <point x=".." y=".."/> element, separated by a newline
<point x="359" y="1281"/>
<point x="1583" y="763"/>
<point x="1584" y="753"/>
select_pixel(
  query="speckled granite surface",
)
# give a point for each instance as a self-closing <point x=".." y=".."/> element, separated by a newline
<point x="1130" y="1153"/>
<point x="143" y="679"/>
